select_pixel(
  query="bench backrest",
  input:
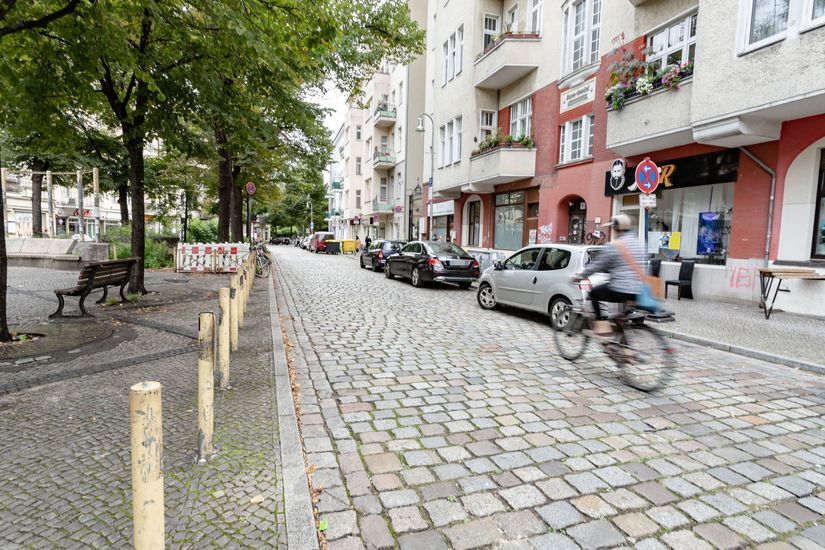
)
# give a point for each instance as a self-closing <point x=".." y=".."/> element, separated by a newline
<point x="110" y="272"/>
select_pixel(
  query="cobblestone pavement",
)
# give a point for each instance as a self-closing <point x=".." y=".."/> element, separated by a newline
<point x="64" y="438"/>
<point x="435" y="424"/>
<point x="744" y="325"/>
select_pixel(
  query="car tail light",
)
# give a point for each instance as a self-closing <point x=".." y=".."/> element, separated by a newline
<point x="585" y="284"/>
<point x="380" y="254"/>
<point x="475" y="264"/>
<point x="434" y="262"/>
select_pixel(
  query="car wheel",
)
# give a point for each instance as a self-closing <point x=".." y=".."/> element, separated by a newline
<point x="375" y="266"/>
<point x="559" y="316"/>
<point x="415" y="278"/>
<point x="387" y="273"/>
<point x="361" y="262"/>
<point x="486" y="298"/>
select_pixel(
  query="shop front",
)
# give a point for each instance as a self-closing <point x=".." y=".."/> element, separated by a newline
<point x="443" y="219"/>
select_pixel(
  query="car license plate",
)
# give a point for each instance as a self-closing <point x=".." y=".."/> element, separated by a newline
<point x="458" y="263"/>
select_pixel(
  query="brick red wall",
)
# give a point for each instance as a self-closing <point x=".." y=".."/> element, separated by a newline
<point x="751" y="200"/>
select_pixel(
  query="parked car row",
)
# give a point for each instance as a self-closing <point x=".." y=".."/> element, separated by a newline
<point x="317" y="242"/>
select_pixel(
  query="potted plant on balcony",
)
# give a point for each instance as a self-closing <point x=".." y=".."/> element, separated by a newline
<point x="508" y="140"/>
<point x="526" y="141"/>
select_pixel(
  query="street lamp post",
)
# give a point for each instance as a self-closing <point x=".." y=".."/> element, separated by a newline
<point x="420" y="128"/>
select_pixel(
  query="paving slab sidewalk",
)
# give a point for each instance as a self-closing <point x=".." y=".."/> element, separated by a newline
<point x="64" y="437"/>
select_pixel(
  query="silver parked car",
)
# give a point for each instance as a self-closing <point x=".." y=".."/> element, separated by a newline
<point x="538" y="278"/>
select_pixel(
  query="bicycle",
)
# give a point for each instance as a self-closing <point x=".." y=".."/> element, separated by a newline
<point x="643" y="356"/>
<point x="263" y="263"/>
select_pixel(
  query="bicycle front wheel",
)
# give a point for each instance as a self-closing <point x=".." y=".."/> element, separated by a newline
<point x="646" y="361"/>
<point x="262" y="268"/>
<point x="571" y="341"/>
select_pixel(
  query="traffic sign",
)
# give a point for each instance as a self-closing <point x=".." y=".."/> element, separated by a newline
<point x="647" y="201"/>
<point x="647" y="176"/>
<point x="430" y="182"/>
<point x="250" y="188"/>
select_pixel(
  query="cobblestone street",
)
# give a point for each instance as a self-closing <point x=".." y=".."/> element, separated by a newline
<point x="64" y="425"/>
<point x="433" y="423"/>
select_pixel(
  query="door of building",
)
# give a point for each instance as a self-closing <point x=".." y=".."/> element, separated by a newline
<point x="577" y="217"/>
<point x="531" y="224"/>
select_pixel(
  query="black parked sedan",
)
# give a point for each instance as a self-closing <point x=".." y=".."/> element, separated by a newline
<point x="376" y="255"/>
<point x="429" y="261"/>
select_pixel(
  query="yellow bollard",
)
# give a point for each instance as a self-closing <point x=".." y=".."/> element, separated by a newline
<point x="206" y="384"/>
<point x="223" y="338"/>
<point x="147" y="460"/>
<point x="234" y="313"/>
<point x="241" y="299"/>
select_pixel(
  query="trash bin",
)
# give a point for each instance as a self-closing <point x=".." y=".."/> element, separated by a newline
<point x="348" y="246"/>
<point x="333" y="247"/>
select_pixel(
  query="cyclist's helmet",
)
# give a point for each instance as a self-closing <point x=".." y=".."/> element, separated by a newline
<point x="621" y="222"/>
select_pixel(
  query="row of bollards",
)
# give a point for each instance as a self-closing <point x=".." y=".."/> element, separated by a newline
<point x="145" y="408"/>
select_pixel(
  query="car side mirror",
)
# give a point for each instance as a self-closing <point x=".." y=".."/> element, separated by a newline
<point x="497" y="265"/>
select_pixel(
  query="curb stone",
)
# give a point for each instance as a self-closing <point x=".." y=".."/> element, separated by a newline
<point x="300" y="522"/>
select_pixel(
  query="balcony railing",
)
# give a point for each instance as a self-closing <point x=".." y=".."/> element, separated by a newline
<point x="502" y="164"/>
<point x="383" y="159"/>
<point x="385" y="115"/>
<point x="337" y="185"/>
<point x="381" y="205"/>
<point x="509" y="58"/>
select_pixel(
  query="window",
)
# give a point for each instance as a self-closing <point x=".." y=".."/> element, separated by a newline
<point x="523" y="261"/>
<point x="521" y="118"/>
<point x="443" y="156"/>
<point x="509" y="218"/>
<point x="384" y="149"/>
<point x="488" y="124"/>
<point x="357" y="166"/>
<point x="358" y="133"/>
<point x="412" y="248"/>
<point x="511" y="20"/>
<point x="536" y="15"/>
<point x="451" y="134"/>
<point x="358" y="199"/>
<point x="673" y="44"/>
<point x="382" y="190"/>
<point x="490" y="29"/>
<point x="458" y="130"/>
<point x="400" y="138"/>
<point x="554" y="259"/>
<point x="819" y="217"/>
<point x="576" y="140"/>
<point x="400" y="93"/>
<point x="582" y="28"/>
<point x="453" y="54"/>
<point x="474" y="224"/>
<point x="767" y="21"/>
<point x="816" y="12"/>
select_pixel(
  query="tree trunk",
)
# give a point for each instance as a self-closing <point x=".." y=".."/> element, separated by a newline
<point x="134" y="146"/>
<point x="236" y="213"/>
<point x="38" y="165"/>
<point x="5" y="336"/>
<point x="224" y="186"/>
<point x="123" y="201"/>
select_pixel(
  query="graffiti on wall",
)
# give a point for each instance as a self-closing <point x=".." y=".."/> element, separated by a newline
<point x="742" y="277"/>
<point x="545" y="234"/>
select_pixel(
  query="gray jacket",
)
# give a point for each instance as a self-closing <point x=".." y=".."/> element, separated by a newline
<point x="623" y="278"/>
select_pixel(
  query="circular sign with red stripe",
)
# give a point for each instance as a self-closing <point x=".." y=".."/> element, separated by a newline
<point x="647" y="176"/>
<point x="250" y="188"/>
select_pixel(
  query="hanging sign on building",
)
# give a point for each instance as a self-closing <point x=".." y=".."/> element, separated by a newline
<point x="445" y="208"/>
<point x="719" y="167"/>
<point x="578" y="96"/>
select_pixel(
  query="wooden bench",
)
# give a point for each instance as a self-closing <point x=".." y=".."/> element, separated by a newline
<point x="769" y="275"/>
<point x="98" y="275"/>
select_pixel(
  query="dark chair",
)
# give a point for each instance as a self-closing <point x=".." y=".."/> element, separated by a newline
<point x="685" y="281"/>
<point x="655" y="267"/>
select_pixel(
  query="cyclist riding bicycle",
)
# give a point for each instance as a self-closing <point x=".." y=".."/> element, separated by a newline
<point x="624" y="282"/>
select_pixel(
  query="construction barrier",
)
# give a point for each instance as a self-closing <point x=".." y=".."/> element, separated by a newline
<point x="210" y="258"/>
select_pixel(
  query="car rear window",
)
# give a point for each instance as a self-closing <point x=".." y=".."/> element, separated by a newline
<point x="393" y="246"/>
<point x="447" y="248"/>
<point x="591" y="255"/>
<point x="327" y="237"/>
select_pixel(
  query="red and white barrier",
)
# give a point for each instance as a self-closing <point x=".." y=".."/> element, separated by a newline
<point x="210" y="258"/>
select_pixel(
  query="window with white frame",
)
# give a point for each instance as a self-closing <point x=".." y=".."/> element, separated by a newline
<point x="358" y="199"/>
<point x="382" y="191"/>
<point x="582" y="29"/>
<point x="511" y="20"/>
<point x="443" y="156"/>
<point x="450" y="141"/>
<point x="357" y="166"/>
<point x="767" y="20"/>
<point x="576" y="140"/>
<point x="458" y="132"/>
<point x="815" y="12"/>
<point x="521" y="118"/>
<point x="454" y="54"/>
<point x="384" y="149"/>
<point x="673" y="44"/>
<point x="536" y="15"/>
<point x="451" y="137"/>
<point x="358" y="132"/>
<point x="487" y="125"/>
<point x="400" y="139"/>
<point x="490" y="29"/>
<point x="400" y="93"/>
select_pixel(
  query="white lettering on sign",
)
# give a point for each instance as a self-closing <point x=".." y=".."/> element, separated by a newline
<point x="445" y="208"/>
<point x="574" y="97"/>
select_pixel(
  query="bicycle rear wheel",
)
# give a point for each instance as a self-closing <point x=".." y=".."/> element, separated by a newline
<point x="262" y="267"/>
<point x="571" y="341"/>
<point x="645" y="358"/>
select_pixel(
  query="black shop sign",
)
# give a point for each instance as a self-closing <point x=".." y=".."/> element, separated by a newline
<point x="720" y="167"/>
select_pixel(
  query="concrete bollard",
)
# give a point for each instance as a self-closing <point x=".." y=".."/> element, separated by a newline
<point x="206" y="384"/>
<point x="234" y="313"/>
<point x="241" y="299"/>
<point x="223" y="338"/>
<point x="147" y="461"/>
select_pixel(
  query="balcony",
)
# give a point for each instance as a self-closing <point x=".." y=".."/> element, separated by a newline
<point x="380" y="205"/>
<point x="501" y="165"/>
<point x="385" y="116"/>
<point x="383" y="160"/>
<point x="652" y="122"/>
<point x="336" y="186"/>
<point x="508" y="59"/>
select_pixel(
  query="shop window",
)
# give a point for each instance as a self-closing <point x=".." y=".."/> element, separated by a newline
<point x="509" y="227"/>
<point x="819" y="218"/>
<point x="692" y="222"/>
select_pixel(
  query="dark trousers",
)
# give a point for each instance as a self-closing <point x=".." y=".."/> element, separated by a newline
<point x="602" y="293"/>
